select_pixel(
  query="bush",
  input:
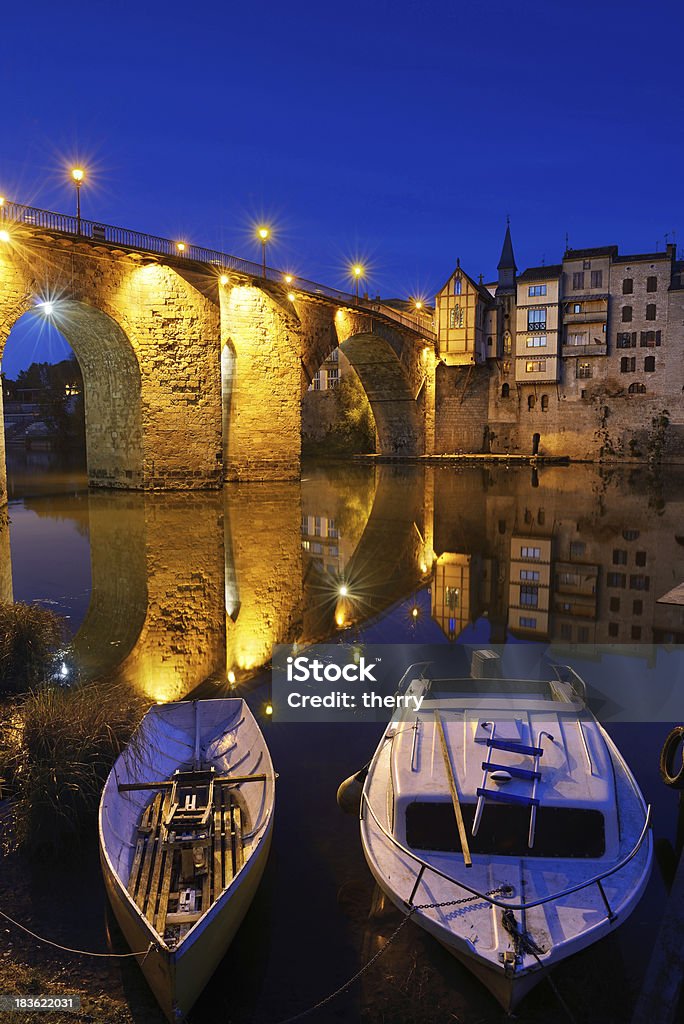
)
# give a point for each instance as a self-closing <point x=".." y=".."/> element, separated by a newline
<point x="64" y="744"/>
<point x="30" y="638"/>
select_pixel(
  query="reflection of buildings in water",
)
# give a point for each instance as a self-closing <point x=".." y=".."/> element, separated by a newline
<point x="460" y="591"/>
<point x="577" y="556"/>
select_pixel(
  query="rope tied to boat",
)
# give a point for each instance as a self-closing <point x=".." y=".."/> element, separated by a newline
<point x="501" y="890"/>
<point x="144" y="953"/>
<point x="522" y="940"/>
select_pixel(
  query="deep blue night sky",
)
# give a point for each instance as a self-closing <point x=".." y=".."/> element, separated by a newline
<point x="400" y="132"/>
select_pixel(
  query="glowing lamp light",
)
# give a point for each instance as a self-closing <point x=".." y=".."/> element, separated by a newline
<point x="339" y="314"/>
<point x="78" y="174"/>
<point x="269" y="709"/>
<point x="343" y="590"/>
<point x="2" y="200"/>
<point x="223" y="279"/>
<point x="263" y="233"/>
<point x="4" y="236"/>
<point x="231" y="677"/>
<point x="357" y="270"/>
<point x="288" y="279"/>
<point x="180" y="246"/>
<point x="414" y="612"/>
<point x="291" y="296"/>
<point x="47" y="308"/>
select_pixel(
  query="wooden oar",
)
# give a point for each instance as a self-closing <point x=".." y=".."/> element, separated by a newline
<point x="454" y="793"/>
<point x="127" y="787"/>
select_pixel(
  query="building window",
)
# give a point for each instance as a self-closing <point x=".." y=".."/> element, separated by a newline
<point x="627" y="286"/>
<point x="527" y="552"/>
<point x="529" y="574"/>
<point x="577" y="338"/>
<point x="626" y="314"/>
<point x="317" y="380"/>
<point x="528" y="623"/>
<point x="577" y="307"/>
<point x="639" y="582"/>
<point x="536" y="341"/>
<point x="578" y="280"/>
<point x="637" y="388"/>
<point x="616" y="579"/>
<point x="334" y="356"/>
<point x="455" y="317"/>
<point x="637" y="607"/>
<point x="536" y="289"/>
<point x="636" y="632"/>
<point x="317" y="526"/>
<point x="536" y="366"/>
<point x="531" y="402"/>
<point x="332" y="528"/>
<point x="451" y="597"/>
<point x="626" y="339"/>
<point x="577" y="549"/>
<point x="583" y="635"/>
<point x="505" y="390"/>
<point x="545" y="402"/>
<point x="507" y="344"/>
<point x="614" y="604"/>
<point x="640" y="558"/>
<point x="649" y="364"/>
<point x="619" y="556"/>
<point x="584" y="370"/>
<point x="597" y="279"/>
<point x="631" y="534"/>
<point x="650" y="339"/>
<point x="628" y="364"/>
<point x="333" y="378"/>
<point x="506" y="366"/>
<point x="652" y="284"/>
<point x="613" y="629"/>
<point x="458" y="285"/>
<point x="529" y="595"/>
<point x="651" y="311"/>
<point x="536" y="319"/>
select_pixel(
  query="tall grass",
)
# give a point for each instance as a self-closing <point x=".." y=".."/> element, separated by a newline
<point x="30" y="638"/>
<point x="65" y="742"/>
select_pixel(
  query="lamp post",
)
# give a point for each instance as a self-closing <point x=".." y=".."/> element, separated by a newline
<point x="357" y="273"/>
<point x="78" y="174"/>
<point x="263" y="234"/>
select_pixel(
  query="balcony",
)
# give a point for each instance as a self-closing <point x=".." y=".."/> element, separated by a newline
<point x="589" y="316"/>
<point x="582" y="351"/>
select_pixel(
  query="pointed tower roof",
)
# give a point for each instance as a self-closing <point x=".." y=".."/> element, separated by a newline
<point x="507" y="261"/>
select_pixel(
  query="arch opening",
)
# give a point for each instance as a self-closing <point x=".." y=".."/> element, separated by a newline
<point x="337" y="417"/>
<point x="110" y="387"/>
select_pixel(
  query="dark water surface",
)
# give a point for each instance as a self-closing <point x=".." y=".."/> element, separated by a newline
<point x="171" y="592"/>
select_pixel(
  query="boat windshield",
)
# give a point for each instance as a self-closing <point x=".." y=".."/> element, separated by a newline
<point x="540" y="688"/>
<point x="577" y="832"/>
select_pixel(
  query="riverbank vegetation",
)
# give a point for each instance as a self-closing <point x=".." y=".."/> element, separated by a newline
<point x="56" y="748"/>
<point x="30" y="639"/>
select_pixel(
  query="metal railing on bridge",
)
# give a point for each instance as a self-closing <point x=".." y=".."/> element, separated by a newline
<point x="221" y="262"/>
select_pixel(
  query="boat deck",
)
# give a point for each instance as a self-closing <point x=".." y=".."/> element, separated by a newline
<point x="178" y="870"/>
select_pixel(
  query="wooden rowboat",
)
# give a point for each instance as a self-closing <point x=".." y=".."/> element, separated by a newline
<point x="185" y="825"/>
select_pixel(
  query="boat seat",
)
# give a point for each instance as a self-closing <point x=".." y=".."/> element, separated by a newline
<point x="517" y="773"/>
<point x="508" y="798"/>
<point x="515" y="748"/>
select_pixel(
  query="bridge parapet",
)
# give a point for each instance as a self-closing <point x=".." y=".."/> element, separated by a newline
<point x="180" y="253"/>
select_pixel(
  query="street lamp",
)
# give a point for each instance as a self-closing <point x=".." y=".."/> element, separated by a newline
<point x="263" y="233"/>
<point x="357" y="274"/>
<point x="77" y="175"/>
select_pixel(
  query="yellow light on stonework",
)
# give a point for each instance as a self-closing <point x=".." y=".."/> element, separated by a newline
<point x="78" y="174"/>
<point x="423" y="567"/>
<point x="339" y="314"/>
<point x="224" y="279"/>
<point x="4" y="236"/>
<point x="291" y="296"/>
<point x="180" y="246"/>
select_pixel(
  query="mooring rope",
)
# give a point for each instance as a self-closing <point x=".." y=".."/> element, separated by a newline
<point x="68" y="949"/>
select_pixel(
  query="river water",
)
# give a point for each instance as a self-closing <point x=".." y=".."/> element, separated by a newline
<point x="171" y="592"/>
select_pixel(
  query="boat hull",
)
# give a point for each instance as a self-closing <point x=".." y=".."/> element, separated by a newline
<point x="177" y="977"/>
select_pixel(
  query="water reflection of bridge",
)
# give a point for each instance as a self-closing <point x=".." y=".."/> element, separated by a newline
<point x="190" y="586"/>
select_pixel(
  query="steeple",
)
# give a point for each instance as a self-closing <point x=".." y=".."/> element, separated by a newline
<point x="506" y="265"/>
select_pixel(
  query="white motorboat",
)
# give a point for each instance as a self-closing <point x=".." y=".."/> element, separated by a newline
<point x="185" y="822"/>
<point x="504" y="819"/>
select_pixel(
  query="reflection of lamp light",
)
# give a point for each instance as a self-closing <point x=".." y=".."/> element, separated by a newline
<point x="414" y="612"/>
<point x="423" y="567"/>
<point x="343" y="590"/>
<point x="291" y="296"/>
<point x="4" y="236"/>
<point x="231" y="677"/>
<point x="47" y="308"/>
<point x="268" y="709"/>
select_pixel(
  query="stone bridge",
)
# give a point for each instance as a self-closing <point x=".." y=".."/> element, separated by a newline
<point x="194" y="363"/>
